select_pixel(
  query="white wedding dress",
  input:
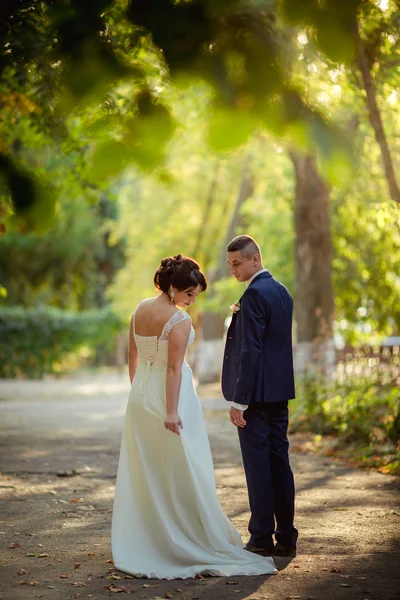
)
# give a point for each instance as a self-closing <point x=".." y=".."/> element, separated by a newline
<point x="167" y="522"/>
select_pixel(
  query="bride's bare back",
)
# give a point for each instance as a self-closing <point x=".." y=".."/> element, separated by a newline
<point x="151" y="316"/>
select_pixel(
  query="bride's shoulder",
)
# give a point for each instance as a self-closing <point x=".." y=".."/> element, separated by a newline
<point x="179" y="315"/>
<point x="143" y="303"/>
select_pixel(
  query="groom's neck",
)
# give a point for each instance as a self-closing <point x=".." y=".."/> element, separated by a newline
<point x="256" y="270"/>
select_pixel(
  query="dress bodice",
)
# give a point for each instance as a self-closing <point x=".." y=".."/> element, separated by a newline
<point x="153" y="349"/>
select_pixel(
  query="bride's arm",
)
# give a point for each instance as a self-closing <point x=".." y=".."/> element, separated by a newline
<point x="133" y="358"/>
<point x="177" y="344"/>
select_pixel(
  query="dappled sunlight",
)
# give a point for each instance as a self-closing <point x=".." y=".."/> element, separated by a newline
<point x="134" y="131"/>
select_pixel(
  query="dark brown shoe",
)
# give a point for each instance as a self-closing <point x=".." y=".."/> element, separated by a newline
<point x="259" y="551"/>
<point x="284" y="550"/>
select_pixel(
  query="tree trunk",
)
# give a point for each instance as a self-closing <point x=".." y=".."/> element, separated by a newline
<point x="207" y="212"/>
<point x="376" y="120"/>
<point x="210" y="352"/>
<point x="314" y="304"/>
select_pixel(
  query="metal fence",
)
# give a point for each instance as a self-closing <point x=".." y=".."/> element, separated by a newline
<point x="382" y="362"/>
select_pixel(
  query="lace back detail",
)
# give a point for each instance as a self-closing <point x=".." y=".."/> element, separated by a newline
<point x="176" y="318"/>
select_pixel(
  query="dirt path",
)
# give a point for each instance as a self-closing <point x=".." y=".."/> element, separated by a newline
<point x="59" y="450"/>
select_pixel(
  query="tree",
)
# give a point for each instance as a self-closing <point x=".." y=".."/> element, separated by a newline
<point x="210" y="353"/>
<point x="378" y="51"/>
<point x="97" y="48"/>
<point x="314" y="307"/>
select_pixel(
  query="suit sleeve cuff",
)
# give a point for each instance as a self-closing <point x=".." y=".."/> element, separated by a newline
<point x="239" y="406"/>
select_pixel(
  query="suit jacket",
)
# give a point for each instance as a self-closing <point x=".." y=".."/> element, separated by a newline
<point x="258" y="358"/>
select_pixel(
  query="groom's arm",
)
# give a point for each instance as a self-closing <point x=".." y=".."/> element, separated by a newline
<point x="255" y="317"/>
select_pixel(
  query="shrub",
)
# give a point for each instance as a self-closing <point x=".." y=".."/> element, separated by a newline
<point x="34" y="340"/>
<point x="362" y="410"/>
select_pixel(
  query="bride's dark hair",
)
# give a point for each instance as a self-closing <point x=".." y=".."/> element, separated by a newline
<point x="181" y="272"/>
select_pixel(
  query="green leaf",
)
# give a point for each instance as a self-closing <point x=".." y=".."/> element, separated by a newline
<point x="230" y="128"/>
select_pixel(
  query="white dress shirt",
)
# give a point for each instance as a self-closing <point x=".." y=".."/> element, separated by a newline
<point x="248" y="282"/>
<point x="236" y="404"/>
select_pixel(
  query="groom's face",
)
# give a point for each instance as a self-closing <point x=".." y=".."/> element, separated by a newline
<point x="243" y="267"/>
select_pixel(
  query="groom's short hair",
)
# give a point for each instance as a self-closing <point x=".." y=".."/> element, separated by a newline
<point x="244" y="244"/>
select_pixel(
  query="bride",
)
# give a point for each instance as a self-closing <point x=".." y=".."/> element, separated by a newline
<point x="167" y="522"/>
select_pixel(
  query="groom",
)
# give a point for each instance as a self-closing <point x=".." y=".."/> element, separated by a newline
<point x="258" y="379"/>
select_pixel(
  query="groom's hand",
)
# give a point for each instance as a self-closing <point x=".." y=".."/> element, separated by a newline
<point x="236" y="417"/>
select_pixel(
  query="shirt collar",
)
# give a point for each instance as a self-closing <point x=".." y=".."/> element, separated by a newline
<point x="254" y="276"/>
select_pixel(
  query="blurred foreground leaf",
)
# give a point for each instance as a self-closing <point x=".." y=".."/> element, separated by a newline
<point x="32" y="201"/>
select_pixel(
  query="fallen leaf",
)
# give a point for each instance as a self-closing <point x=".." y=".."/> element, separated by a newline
<point x="114" y="577"/>
<point x="232" y="583"/>
<point x="40" y="545"/>
<point x="91" y="553"/>
<point x="169" y="595"/>
<point x="79" y="584"/>
<point x="178" y="590"/>
<point x="67" y="473"/>
<point x="335" y="570"/>
<point x="28" y="582"/>
<point x="14" y="545"/>
<point x="110" y="560"/>
<point x="76" y="596"/>
<point x="44" y="555"/>
<point x="115" y="589"/>
<point x="76" y="500"/>
<point x="77" y="565"/>
<point x="51" y="587"/>
<point x="30" y="554"/>
<point x="150" y="585"/>
<point x="39" y="595"/>
<point x="345" y="585"/>
<point x="129" y="577"/>
<point x="21" y="572"/>
<point x="64" y="576"/>
<point x="345" y="576"/>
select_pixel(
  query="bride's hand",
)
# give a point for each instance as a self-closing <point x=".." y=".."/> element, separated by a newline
<point x="173" y="423"/>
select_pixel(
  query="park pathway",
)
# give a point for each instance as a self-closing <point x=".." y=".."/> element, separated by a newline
<point x="59" y="445"/>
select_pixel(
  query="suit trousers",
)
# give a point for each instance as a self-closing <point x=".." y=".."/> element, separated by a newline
<point x="270" y="483"/>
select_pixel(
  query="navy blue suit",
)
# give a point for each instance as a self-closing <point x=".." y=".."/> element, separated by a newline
<point x="258" y="372"/>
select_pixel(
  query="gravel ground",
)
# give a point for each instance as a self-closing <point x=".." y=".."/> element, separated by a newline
<point x="59" y="451"/>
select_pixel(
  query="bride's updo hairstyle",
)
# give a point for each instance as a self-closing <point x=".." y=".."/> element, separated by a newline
<point x="181" y="272"/>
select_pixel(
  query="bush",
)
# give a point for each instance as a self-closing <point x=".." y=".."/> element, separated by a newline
<point x="358" y="410"/>
<point x="34" y="340"/>
<point x="362" y="415"/>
